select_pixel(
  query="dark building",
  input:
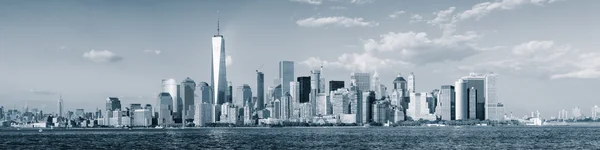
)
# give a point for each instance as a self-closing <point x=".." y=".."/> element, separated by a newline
<point x="260" y="90"/>
<point x="477" y="103"/>
<point x="304" y="86"/>
<point x="370" y="99"/>
<point x="334" y="85"/>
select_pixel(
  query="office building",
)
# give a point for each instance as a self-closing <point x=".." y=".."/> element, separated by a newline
<point x="79" y="113"/>
<point x="243" y="96"/>
<point x="461" y="99"/>
<point x="338" y="98"/>
<point x="187" y="89"/>
<point x="368" y="98"/>
<point x="286" y="75"/>
<point x="576" y="113"/>
<point x="323" y="105"/>
<point x="491" y="98"/>
<point x="218" y="69"/>
<point x="165" y="109"/>
<point x="335" y="85"/>
<point x="203" y="114"/>
<point x="134" y="106"/>
<point x="260" y="90"/>
<point x="401" y="85"/>
<point x="477" y="82"/>
<point x="418" y="108"/>
<point x="170" y="86"/>
<point x="295" y="95"/>
<point x="362" y="80"/>
<point x="142" y="118"/>
<point x="112" y="104"/>
<point x="285" y="108"/>
<point x="204" y="93"/>
<point x="381" y="111"/>
<point x="448" y="102"/>
<point x="304" y="86"/>
<point x="472" y="97"/>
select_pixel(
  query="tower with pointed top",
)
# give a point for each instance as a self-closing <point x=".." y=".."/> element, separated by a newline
<point x="60" y="106"/>
<point x="218" y="68"/>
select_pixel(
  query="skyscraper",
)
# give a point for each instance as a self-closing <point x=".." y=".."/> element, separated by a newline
<point x="204" y="93"/>
<point x="477" y="81"/>
<point x="462" y="104"/>
<point x="472" y="98"/>
<point x="491" y="97"/>
<point x="260" y="90"/>
<point x="170" y="86"/>
<point x="218" y="68"/>
<point x="314" y="91"/>
<point x="304" y="88"/>
<point x="363" y="81"/>
<point x="286" y="110"/>
<point x="229" y="93"/>
<point x="400" y="84"/>
<point x="60" y="106"/>
<point x="243" y="96"/>
<point x="335" y="85"/>
<point x="188" y="86"/>
<point x="411" y="83"/>
<point x="286" y="75"/>
<point x="447" y="101"/>
<point x="164" y="109"/>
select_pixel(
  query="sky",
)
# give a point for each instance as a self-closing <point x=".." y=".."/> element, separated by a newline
<point x="544" y="51"/>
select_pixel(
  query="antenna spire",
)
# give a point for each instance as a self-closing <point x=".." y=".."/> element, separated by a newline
<point x="218" y="23"/>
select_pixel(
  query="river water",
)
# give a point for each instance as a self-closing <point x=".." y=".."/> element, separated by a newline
<point x="308" y="138"/>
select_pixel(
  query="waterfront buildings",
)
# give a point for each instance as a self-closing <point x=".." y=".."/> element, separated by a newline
<point x="376" y="86"/>
<point x="595" y="112"/>
<point x="492" y="110"/>
<point x="243" y="96"/>
<point x="576" y="113"/>
<point x="188" y="86"/>
<point x="476" y="104"/>
<point x="142" y="117"/>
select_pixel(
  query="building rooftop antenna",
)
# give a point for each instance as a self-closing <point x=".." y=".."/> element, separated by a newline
<point x="218" y="23"/>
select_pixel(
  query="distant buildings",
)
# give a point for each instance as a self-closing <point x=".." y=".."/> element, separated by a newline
<point x="203" y="93"/>
<point x="448" y="102"/>
<point x="286" y="75"/>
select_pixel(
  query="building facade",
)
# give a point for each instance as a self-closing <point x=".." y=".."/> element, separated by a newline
<point x="218" y="69"/>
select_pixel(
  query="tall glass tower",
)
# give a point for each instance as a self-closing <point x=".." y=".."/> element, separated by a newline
<point x="218" y="70"/>
<point x="286" y="75"/>
<point x="260" y="90"/>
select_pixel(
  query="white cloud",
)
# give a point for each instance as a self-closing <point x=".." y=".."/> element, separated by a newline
<point x="442" y="16"/>
<point x="335" y="21"/>
<point x="416" y="18"/>
<point x="361" y="1"/>
<point x="583" y="74"/>
<point x="532" y="47"/>
<point x="418" y="48"/>
<point x="482" y="9"/>
<point x="228" y="60"/>
<point x="157" y="52"/>
<point x="102" y="56"/>
<point x="396" y="14"/>
<point x="312" y="2"/>
<point x="364" y="62"/>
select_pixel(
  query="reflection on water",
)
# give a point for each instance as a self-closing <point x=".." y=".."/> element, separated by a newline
<point x="309" y="138"/>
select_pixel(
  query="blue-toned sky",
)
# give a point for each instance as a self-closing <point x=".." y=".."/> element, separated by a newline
<point x="545" y="51"/>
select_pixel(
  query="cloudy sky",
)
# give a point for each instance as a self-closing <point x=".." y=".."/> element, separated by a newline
<point x="543" y="50"/>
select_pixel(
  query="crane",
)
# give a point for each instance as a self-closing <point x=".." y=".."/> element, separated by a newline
<point x="259" y="68"/>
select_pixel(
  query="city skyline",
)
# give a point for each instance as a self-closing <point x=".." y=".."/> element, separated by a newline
<point x="134" y="65"/>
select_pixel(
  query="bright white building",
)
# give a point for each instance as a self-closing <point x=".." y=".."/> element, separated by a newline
<point x="461" y="104"/>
